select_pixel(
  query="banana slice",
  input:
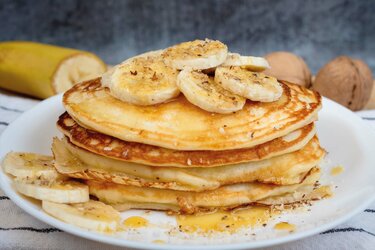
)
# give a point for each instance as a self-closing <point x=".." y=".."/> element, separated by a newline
<point x="198" y="54"/>
<point x="106" y="77"/>
<point x="93" y="215"/>
<point x="252" y="85"/>
<point x="30" y="166"/>
<point x="248" y="62"/>
<point x="142" y="80"/>
<point x="202" y="91"/>
<point x="59" y="191"/>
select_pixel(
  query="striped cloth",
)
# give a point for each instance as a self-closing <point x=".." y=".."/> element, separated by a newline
<point x="19" y="230"/>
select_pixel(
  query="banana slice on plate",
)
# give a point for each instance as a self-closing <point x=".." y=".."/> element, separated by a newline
<point x="248" y="62"/>
<point x="29" y="165"/>
<point x="198" y="54"/>
<point x="142" y="80"/>
<point x="202" y="91"/>
<point x="252" y="85"/>
<point x="92" y="215"/>
<point x="59" y="191"/>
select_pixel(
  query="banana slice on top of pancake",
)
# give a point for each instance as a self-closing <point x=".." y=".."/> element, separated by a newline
<point x="252" y="63"/>
<point x="142" y="80"/>
<point x="202" y="91"/>
<point x="255" y="86"/>
<point x="196" y="55"/>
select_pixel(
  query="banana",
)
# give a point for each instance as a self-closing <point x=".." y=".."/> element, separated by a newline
<point x="42" y="70"/>
<point x="106" y="76"/>
<point x="252" y="85"/>
<point x="142" y="80"/>
<point x="37" y="177"/>
<point x="92" y="215"/>
<point x="59" y="191"/>
<point x="198" y="54"/>
<point x="30" y="166"/>
<point x="202" y="91"/>
<point x="248" y="62"/>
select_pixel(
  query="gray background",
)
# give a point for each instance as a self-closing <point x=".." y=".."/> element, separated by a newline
<point x="316" y="30"/>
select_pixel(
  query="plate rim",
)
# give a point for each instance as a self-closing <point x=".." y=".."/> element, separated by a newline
<point x="39" y="214"/>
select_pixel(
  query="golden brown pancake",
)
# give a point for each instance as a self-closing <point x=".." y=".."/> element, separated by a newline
<point x="123" y="196"/>
<point x="302" y="195"/>
<point x="180" y="125"/>
<point x="285" y="169"/>
<point x="112" y="147"/>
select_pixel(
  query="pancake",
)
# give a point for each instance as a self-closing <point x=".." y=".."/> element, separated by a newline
<point x="224" y="197"/>
<point x="307" y="193"/>
<point x="180" y="125"/>
<point x="285" y="169"/>
<point x="112" y="147"/>
<point x="303" y="194"/>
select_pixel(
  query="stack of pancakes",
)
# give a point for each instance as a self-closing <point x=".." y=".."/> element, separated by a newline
<point x="177" y="157"/>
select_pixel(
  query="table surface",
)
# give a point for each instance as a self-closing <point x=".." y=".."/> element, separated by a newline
<point x="19" y="230"/>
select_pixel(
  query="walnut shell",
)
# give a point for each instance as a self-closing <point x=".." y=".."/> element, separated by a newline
<point x="290" y="67"/>
<point x="346" y="81"/>
<point x="371" y="103"/>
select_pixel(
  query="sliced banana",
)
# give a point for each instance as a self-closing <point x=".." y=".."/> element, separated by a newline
<point x="202" y="91"/>
<point x="142" y="80"/>
<point x="92" y="215"/>
<point x="252" y="85"/>
<point x="59" y="191"/>
<point x="29" y="165"/>
<point x="198" y="54"/>
<point x="248" y="62"/>
<point x="106" y="77"/>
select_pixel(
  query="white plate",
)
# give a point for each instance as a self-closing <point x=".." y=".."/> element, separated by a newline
<point x="348" y="140"/>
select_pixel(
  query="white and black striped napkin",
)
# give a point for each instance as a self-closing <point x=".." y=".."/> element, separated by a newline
<point x="19" y="230"/>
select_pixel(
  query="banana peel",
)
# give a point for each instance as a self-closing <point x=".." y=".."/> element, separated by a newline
<point x="42" y="70"/>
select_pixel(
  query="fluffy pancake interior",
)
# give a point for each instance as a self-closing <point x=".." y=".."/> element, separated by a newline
<point x="285" y="169"/>
<point x="191" y="202"/>
<point x="180" y="125"/>
<point x="112" y="147"/>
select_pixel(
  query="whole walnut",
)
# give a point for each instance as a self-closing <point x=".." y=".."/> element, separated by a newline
<point x="371" y="102"/>
<point x="290" y="67"/>
<point x="345" y="80"/>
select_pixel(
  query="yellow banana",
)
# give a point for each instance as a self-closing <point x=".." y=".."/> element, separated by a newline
<point x="42" y="70"/>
